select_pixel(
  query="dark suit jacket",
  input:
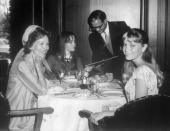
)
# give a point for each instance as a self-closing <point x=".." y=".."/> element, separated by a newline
<point x="100" y="51"/>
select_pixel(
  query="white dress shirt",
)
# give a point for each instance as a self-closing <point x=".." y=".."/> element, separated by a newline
<point x="106" y="37"/>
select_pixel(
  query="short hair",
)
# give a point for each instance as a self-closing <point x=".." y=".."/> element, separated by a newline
<point x="35" y="35"/>
<point x="97" y="14"/>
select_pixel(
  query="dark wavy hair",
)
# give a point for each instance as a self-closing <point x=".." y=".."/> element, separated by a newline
<point x="64" y="37"/>
<point x="35" y="35"/>
<point x="97" y="14"/>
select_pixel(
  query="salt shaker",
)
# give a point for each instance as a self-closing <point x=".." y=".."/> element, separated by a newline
<point x="84" y="80"/>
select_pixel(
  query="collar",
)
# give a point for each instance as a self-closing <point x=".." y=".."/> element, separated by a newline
<point x="107" y="29"/>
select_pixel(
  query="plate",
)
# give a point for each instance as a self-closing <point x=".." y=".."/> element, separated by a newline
<point x="70" y="80"/>
<point x="55" y="90"/>
<point x="109" y="85"/>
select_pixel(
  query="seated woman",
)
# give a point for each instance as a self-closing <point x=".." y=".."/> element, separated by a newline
<point x="141" y="73"/>
<point x="66" y="61"/>
<point x="26" y="76"/>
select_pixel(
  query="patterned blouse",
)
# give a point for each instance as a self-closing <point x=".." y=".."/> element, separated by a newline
<point x="147" y="75"/>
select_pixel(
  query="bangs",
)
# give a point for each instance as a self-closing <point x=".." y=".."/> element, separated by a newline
<point x="133" y="37"/>
<point x="70" y="39"/>
<point x="136" y="35"/>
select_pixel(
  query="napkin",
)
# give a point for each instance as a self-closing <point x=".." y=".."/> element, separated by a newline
<point x="112" y="93"/>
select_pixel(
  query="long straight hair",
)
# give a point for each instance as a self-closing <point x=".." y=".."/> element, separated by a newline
<point x="142" y="38"/>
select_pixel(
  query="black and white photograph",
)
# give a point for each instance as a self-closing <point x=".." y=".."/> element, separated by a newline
<point x="84" y="65"/>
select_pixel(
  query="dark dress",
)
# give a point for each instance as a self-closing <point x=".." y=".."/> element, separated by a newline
<point x="58" y="64"/>
<point x="100" y="51"/>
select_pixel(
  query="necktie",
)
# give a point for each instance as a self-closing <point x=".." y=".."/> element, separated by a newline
<point x="108" y="43"/>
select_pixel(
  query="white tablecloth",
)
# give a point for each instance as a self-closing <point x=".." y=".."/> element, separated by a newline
<point x="65" y="116"/>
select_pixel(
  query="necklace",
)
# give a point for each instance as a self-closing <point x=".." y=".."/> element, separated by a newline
<point x="67" y="58"/>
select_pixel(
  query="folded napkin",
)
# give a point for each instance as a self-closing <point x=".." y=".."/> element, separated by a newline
<point x="112" y="93"/>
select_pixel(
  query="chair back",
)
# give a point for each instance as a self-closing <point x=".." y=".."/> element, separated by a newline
<point x="6" y="114"/>
<point x="147" y="113"/>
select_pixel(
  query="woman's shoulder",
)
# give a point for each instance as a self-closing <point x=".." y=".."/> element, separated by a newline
<point x="144" y="71"/>
<point x="144" y="68"/>
<point x="22" y="66"/>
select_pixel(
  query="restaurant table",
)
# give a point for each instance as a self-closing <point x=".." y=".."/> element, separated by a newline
<point x="67" y="105"/>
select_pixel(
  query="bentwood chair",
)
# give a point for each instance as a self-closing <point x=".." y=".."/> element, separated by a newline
<point x="151" y="113"/>
<point x="5" y="115"/>
<point x="37" y="112"/>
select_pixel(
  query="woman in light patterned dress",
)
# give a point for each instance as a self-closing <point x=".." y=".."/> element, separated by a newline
<point x="141" y="74"/>
<point x="26" y="77"/>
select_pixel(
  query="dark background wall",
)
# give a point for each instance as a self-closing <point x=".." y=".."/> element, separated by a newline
<point x="20" y="17"/>
<point x="45" y="13"/>
<point x="75" y="16"/>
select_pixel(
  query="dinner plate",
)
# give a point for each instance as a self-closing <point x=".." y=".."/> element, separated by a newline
<point x="52" y="83"/>
<point x="69" y="78"/>
<point x="57" y="89"/>
<point x="109" y="85"/>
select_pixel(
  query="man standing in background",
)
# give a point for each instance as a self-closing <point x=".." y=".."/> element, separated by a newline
<point x="105" y="41"/>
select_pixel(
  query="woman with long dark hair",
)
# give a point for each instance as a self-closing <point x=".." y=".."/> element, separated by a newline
<point x="67" y="60"/>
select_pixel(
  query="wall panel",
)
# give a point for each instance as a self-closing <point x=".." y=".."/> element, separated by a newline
<point x="75" y="19"/>
<point x="119" y="10"/>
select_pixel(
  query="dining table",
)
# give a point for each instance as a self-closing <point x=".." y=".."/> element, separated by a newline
<point x="67" y="101"/>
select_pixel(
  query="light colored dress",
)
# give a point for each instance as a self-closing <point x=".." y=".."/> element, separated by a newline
<point x="147" y="75"/>
<point x="22" y="92"/>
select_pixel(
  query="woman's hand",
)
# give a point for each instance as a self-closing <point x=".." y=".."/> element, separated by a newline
<point x="38" y="60"/>
<point x="88" y="68"/>
<point x="95" y="117"/>
<point x="85" y="72"/>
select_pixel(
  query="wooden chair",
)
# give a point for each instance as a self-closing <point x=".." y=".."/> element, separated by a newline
<point x="146" y="113"/>
<point x="6" y="114"/>
<point x="37" y="112"/>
